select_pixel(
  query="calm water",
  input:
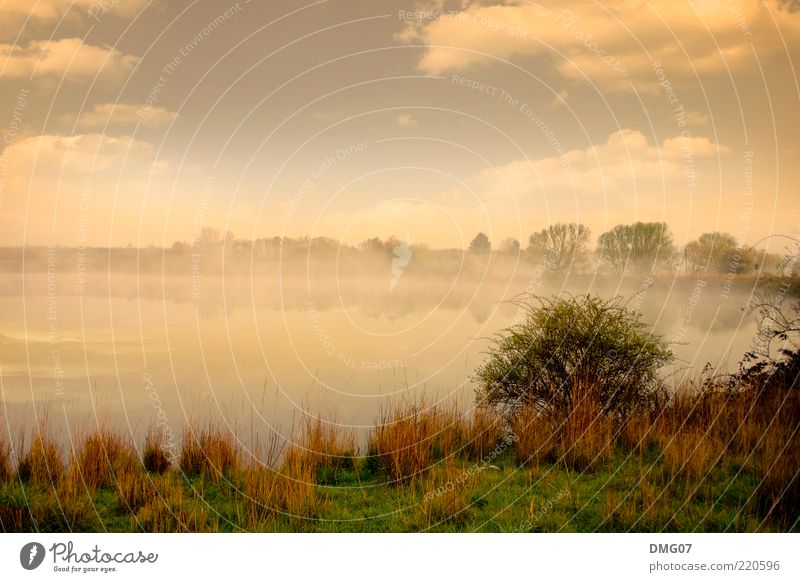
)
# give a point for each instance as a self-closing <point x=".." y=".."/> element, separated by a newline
<point x="135" y="351"/>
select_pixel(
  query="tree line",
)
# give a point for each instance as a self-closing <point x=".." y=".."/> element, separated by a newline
<point x="641" y="247"/>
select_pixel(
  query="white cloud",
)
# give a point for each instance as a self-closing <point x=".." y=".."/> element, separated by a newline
<point x="67" y="57"/>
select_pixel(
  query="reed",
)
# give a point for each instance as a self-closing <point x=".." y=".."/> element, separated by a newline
<point x="322" y="449"/>
<point x="483" y="432"/>
<point x="6" y="469"/>
<point x="272" y="494"/>
<point x="209" y="452"/>
<point x="447" y="493"/>
<point x="537" y="439"/>
<point x="101" y="457"/>
<point x="710" y="460"/>
<point x="409" y="438"/>
<point x="157" y="455"/>
<point x="42" y="464"/>
<point x="586" y="434"/>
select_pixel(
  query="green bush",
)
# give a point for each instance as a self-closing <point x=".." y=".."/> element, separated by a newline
<point x="570" y="346"/>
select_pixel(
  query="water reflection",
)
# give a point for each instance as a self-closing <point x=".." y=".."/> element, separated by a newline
<point x="252" y="352"/>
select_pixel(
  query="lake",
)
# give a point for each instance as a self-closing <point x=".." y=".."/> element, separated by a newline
<point x="133" y="351"/>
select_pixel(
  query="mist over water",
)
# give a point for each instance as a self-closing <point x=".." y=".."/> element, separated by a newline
<point x="253" y="352"/>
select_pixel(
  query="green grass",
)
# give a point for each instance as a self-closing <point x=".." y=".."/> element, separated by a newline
<point x="623" y="494"/>
<point x="709" y="462"/>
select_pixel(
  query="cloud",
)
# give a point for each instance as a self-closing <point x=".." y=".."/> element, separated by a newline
<point x="68" y="57"/>
<point x="76" y="153"/>
<point x="121" y="114"/>
<point x="624" y="165"/>
<point x="37" y="16"/>
<point x="55" y="183"/>
<point x="613" y="43"/>
<point x="407" y="120"/>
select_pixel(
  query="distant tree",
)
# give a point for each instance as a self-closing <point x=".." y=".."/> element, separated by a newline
<point x="208" y="238"/>
<point x="510" y="246"/>
<point x="717" y="252"/>
<point x="371" y="244"/>
<point x="480" y="245"/>
<point x="295" y="246"/>
<point x="324" y="245"/>
<point x="377" y="246"/>
<point x="642" y="247"/>
<point x="560" y="247"/>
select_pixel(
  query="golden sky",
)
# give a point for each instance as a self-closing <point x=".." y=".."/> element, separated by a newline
<point x="139" y="122"/>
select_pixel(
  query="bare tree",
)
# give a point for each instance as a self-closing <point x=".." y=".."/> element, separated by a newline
<point x="560" y="247"/>
<point x="510" y="246"/>
<point x="642" y="247"/>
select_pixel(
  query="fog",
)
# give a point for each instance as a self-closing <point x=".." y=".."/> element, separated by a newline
<point x="254" y="346"/>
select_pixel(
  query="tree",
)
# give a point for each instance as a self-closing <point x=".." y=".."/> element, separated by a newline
<point x="642" y="247"/>
<point x="480" y="245"/>
<point x="377" y="246"/>
<point x="560" y="247"/>
<point x="510" y="246"/>
<point x="575" y="347"/>
<point x="208" y="238"/>
<point x="716" y="252"/>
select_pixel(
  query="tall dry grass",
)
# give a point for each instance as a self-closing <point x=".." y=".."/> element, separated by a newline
<point x="586" y="433"/>
<point x="210" y="452"/>
<point x="672" y="456"/>
<point x="321" y="446"/>
<point x="482" y="433"/>
<point x="447" y="493"/>
<point x="409" y="438"/>
<point x="290" y="492"/>
<point x="172" y="510"/>
<point x="537" y="437"/>
<point x="42" y="464"/>
<point x="6" y="468"/>
<point x="581" y="438"/>
<point x="157" y="456"/>
<point x="101" y="457"/>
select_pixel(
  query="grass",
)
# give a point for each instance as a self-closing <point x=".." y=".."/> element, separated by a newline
<point x="710" y="461"/>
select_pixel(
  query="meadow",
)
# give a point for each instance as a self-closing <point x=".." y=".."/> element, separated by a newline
<point x="714" y="458"/>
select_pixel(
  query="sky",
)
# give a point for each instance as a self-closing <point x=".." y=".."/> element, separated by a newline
<point x="143" y="121"/>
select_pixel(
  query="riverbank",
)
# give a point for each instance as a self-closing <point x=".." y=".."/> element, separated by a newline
<point x="709" y="461"/>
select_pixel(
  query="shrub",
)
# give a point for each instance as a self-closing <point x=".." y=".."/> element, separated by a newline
<point x="568" y="343"/>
